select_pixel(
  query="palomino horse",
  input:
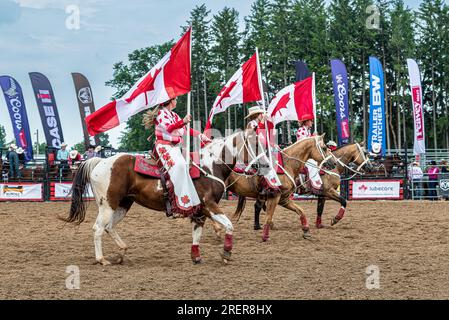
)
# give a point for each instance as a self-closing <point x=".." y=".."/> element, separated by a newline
<point x="117" y="186"/>
<point x="350" y="153"/>
<point x="294" y="158"/>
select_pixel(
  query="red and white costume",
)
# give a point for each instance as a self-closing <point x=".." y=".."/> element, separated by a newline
<point x="311" y="165"/>
<point x="169" y="131"/>
<point x="271" y="178"/>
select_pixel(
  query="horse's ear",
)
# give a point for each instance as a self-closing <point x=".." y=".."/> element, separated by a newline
<point x="362" y="144"/>
<point x="323" y="135"/>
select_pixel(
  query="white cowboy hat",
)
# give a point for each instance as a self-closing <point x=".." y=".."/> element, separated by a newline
<point x="12" y="146"/>
<point x="73" y="154"/>
<point x="19" y="150"/>
<point x="98" y="148"/>
<point x="63" y="144"/>
<point x="254" y="110"/>
<point x="331" y="143"/>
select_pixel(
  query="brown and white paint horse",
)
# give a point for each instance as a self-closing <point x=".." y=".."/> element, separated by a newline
<point x="117" y="186"/>
<point x="294" y="158"/>
<point x="351" y="153"/>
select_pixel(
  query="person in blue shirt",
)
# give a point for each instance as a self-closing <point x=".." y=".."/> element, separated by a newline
<point x="63" y="157"/>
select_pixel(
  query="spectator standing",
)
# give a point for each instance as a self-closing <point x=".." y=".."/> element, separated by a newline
<point x="433" y="172"/>
<point x="416" y="175"/>
<point x="90" y="153"/>
<point x="13" y="159"/>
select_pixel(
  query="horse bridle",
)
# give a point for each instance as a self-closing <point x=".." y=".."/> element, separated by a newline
<point x="362" y="154"/>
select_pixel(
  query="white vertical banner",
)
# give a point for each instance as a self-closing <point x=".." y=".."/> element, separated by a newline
<point x="419" y="147"/>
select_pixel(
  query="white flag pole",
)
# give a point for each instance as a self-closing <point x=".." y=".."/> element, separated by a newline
<point x="259" y="76"/>
<point x="188" y="106"/>
<point x="314" y="102"/>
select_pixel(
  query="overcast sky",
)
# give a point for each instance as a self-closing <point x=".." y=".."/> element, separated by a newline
<point x="34" y="38"/>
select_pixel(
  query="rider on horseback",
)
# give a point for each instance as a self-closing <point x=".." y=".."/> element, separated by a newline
<point x="270" y="183"/>
<point x="169" y="129"/>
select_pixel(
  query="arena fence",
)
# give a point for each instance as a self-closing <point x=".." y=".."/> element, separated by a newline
<point x="45" y="179"/>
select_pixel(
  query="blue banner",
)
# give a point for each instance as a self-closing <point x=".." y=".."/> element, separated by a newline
<point x="16" y="106"/>
<point x="377" y="124"/>
<point x="340" y="80"/>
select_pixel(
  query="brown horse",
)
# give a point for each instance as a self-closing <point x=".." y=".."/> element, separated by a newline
<point x="294" y="158"/>
<point x="350" y="153"/>
<point x="117" y="186"/>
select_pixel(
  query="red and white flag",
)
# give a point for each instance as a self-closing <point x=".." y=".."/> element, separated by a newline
<point x="169" y="78"/>
<point x="243" y="87"/>
<point x="294" y="102"/>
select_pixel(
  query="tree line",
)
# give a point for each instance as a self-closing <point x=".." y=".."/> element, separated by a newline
<point x="315" y="32"/>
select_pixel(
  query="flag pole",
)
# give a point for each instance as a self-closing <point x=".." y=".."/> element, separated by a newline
<point x="259" y="76"/>
<point x="314" y="102"/>
<point x="188" y="105"/>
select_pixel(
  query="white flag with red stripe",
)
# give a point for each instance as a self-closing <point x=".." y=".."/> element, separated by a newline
<point x="169" y="78"/>
<point x="243" y="87"/>
<point x="294" y="102"/>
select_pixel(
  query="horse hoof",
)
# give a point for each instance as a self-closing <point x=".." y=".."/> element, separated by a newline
<point x="226" y="256"/>
<point x="197" y="260"/>
<point x="334" y="221"/>
<point x="306" y="235"/>
<point x="257" y="227"/>
<point x="265" y="239"/>
<point x="320" y="226"/>
<point x="104" y="262"/>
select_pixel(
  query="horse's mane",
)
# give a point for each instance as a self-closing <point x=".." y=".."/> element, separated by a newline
<point x="344" y="146"/>
<point x="300" y="141"/>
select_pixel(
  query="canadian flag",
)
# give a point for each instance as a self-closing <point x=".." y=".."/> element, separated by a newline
<point x="169" y="78"/>
<point x="294" y="102"/>
<point x="243" y="87"/>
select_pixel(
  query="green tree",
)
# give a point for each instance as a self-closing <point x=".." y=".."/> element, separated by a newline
<point x="2" y="137"/>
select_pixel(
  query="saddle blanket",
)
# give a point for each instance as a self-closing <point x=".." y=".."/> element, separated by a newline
<point x="142" y="166"/>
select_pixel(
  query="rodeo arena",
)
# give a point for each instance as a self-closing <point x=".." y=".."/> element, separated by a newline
<point x="239" y="216"/>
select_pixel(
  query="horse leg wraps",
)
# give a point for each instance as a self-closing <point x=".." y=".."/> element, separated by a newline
<point x="304" y="223"/>
<point x="195" y="253"/>
<point x="228" y="242"/>
<point x="340" y="214"/>
<point x="266" y="232"/>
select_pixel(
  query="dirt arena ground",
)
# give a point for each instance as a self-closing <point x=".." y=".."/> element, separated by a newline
<point x="408" y="241"/>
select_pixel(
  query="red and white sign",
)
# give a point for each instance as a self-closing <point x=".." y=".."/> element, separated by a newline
<point x="60" y="191"/>
<point x="21" y="192"/>
<point x="376" y="190"/>
<point x="169" y="78"/>
<point x="419" y="146"/>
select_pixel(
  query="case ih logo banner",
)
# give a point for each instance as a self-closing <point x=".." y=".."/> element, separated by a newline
<point x="47" y="109"/>
<point x="17" y="111"/>
<point x="85" y="105"/>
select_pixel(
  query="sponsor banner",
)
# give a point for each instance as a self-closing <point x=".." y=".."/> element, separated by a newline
<point x="17" y="111"/>
<point x="419" y="146"/>
<point x="340" y="81"/>
<point x="376" y="189"/>
<point x="86" y="105"/>
<point x="48" y="111"/>
<point x="444" y="185"/>
<point x="62" y="191"/>
<point x="377" y="124"/>
<point x="21" y="192"/>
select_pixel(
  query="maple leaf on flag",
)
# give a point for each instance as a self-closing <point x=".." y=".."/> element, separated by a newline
<point x="146" y="85"/>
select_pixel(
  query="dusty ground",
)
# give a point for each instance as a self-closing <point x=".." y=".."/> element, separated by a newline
<point x="408" y="241"/>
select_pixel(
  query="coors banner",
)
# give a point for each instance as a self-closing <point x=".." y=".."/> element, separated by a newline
<point x="47" y="109"/>
<point x="340" y="80"/>
<point x="419" y="146"/>
<point x="86" y="105"/>
<point x="17" y="111"/>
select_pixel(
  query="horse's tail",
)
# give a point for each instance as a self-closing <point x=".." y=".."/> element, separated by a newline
<point x="240" y="207"/>
<point x="80" y="181"/>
